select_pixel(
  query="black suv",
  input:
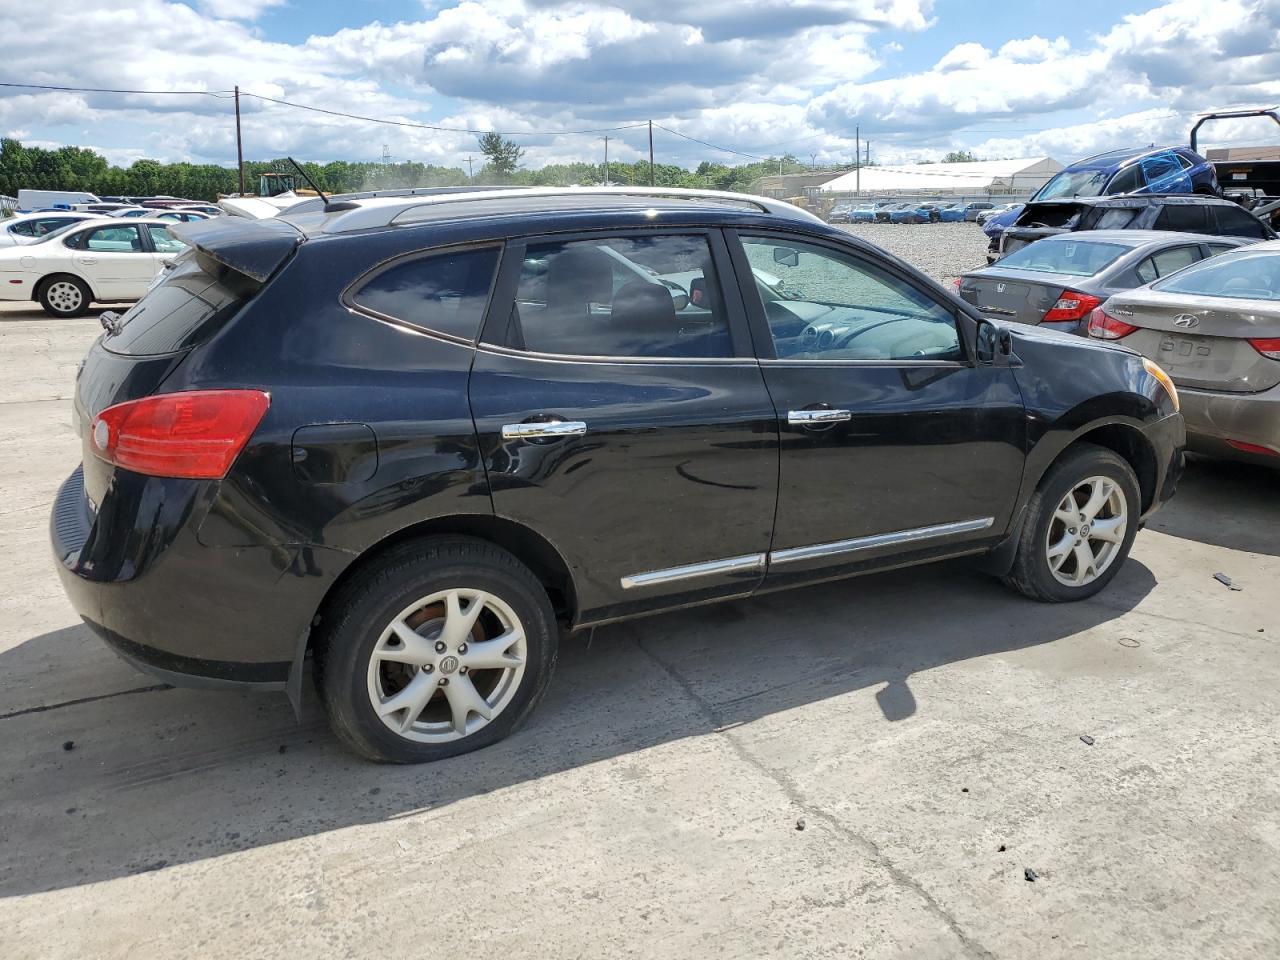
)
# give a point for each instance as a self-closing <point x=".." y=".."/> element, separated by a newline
<point x="1189" y="213"/>
<point x="413" y="436"/>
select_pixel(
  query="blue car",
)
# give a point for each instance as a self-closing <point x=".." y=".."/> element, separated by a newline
<point x="1149" y="170"/>
<point x="866" y="212"/>
<point x="951" y="212"/>
<point x="908" y="213"/>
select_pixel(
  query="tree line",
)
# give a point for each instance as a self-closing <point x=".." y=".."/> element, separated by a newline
<point x="78" y="168"/>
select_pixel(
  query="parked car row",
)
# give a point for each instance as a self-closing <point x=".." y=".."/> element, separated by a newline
<point x="908" y="211"/>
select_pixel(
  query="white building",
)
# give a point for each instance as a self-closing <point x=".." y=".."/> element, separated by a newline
<point x="981" y="177"/>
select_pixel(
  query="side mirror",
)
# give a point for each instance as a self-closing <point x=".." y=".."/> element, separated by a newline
<point x="787" y="256"/>
<point x="678" y="295"/>
<point x="993" y="341"/>
<point x="698" y="292"/>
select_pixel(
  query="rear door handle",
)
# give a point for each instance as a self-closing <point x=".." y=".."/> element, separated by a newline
<point x="806" y="417"/>
<point x="546" y="428"/>
<point x="88" y="259"/>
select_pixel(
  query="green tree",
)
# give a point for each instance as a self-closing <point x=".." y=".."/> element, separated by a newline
<point x="503" y="154"/>
<point x="959" y="156"/>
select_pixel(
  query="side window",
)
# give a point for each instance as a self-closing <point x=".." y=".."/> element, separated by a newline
<point x="49" y="224"/>
<point x="1167" y="261"/>
<point x="1127" y="180"/>
<point x="1116" y="218"/>
<point x="445" y="293"/>
<point x="27" y="228"/>
<point x="825" y="305"/>
<point x="1146" y="271"/>
<point x="1234" y="222"/>
<point x="1163" y="174"/>
<point x="1187" y="217"/>
<point x="643" y="296"/>
<point x="1184" y="162"/>
<point x="1217" y="248"/>
<point x="114" y="240"/>
<point x="163" y="240"/>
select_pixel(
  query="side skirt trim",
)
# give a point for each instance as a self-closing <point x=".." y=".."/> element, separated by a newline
<point x="817" y="550"/>
<point x="754" y="561"/>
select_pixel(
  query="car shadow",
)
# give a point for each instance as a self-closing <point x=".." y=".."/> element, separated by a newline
<point x="1196" y="513"/>
<point x="159" y="777"/>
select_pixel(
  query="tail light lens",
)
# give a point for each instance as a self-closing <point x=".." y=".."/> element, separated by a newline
<point x="955" y="284"/>
<point x="1106" y="327"/>
<point x="1267" y="346"/>
<point x="1071" y="306"/>
<point x="197" y="434"/>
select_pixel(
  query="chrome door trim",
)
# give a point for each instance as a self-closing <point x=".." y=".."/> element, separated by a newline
<point x="753" y="561"/>
<point x="818" y="416"/>
<point x="552" y="428"/>
<point x="836" y="547"/>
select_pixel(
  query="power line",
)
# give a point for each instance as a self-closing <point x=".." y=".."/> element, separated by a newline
<point x="738" y="153"/>
<point x="221" y="94"/>
<point x="431" y="126"/>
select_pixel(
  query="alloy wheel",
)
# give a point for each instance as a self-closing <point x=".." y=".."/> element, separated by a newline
<point x="447" y="665"/>
<point x="1087" y="531"/>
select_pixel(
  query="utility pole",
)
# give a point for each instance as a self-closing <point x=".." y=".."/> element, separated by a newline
<point x="239" y="144"/>
<point x="652" y="182"/>
<point x="813" y="161"/>
<point x="606" y="160"/>
<point x="857" y="160"/>
<point x="470" y="175"/>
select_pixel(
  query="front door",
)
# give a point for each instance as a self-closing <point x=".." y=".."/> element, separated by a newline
<point x="622" y="417"/>
<point x="895" y="446"/>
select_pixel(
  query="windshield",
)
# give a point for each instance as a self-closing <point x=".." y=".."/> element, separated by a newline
<point x="1076" y="258"/>
<point x="1253" y="275"/>
<point x="1074" y="183"/>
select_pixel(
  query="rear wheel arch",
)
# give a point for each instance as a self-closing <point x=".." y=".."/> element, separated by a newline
<point x="530" y="548"/>
<point x="44" y="281"/>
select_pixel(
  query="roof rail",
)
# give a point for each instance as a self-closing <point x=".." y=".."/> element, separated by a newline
<point x="389" y="211"/>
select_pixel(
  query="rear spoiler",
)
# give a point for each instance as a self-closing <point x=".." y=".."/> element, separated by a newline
<point x="255" y="248"/>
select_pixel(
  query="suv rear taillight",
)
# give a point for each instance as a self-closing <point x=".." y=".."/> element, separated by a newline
<point x="1106" y="327"/>
<point x="196" y="435"/>
<point x="1267" y="346"/>
<point x="1071" y="306"/>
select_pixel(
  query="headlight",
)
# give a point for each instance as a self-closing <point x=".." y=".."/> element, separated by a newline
<point x="1157" y="371"/>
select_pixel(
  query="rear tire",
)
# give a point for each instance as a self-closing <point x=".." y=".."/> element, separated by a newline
<point x="65" y="296"/>
<point x="1079" y="526"/>
<point x="438" y="648"/>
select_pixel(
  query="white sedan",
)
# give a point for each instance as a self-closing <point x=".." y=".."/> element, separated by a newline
<point x="29" y="227"/>
<point x="102" y="260"/>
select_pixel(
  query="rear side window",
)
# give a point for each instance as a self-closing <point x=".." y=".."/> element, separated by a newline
<point x="1115" y="218"/>
<point x="1127" y="180"/>
<point x="163" y="240"/>
<point x="113" y="240"/>
<point x="445" y="293"/>
<point x="1234" y="222"/>
<point x="1166" y="262"/>
<point x="1186" y="217"/>
<point x="193" y="302"/>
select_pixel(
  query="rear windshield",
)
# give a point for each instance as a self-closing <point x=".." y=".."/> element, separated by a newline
<point x="1254" y="275"/>
<point x="195" y="298"/>
<point x="1077" y="258"/>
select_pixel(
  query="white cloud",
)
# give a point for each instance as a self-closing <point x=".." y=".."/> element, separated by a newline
<point x="238" y="9"/>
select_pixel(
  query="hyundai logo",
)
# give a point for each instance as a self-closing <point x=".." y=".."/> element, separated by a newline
<point x="999" y="288"/>
<point x="1186" y="320"/>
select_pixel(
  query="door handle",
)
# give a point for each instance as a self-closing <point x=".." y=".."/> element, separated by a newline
<point x="806" y="417"/>
<point x="88" y="259"/>
<point x="546" y="428"/>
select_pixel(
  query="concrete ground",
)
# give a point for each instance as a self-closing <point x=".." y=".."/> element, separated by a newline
<point x="864" y="769"/>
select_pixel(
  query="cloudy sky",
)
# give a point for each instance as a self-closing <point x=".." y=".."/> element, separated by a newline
<point x="920" y="77"/>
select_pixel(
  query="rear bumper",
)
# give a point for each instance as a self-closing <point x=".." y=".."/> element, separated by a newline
<point x="1213" y="418"/>
<point x="193" y="615"/>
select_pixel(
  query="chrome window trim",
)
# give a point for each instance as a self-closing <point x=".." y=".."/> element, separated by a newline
<point x="605" y="358"/>
<point x="753" y="561"/>
<point x="834" y="548"/>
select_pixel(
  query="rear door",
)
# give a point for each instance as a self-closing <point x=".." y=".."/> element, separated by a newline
<point x="621" y="416"/>
<point x="115" y="260"/>
<point x="893" y="442"/>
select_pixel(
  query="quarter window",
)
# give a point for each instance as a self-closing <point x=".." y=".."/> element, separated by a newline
<point x="823" y="305"/>
<point x="445" y="293"/>
<point x="1166" y="262"/>
<point x="1186" y="217"/>
<point x="636" y="296"/>
<point x="1234" y="222"/>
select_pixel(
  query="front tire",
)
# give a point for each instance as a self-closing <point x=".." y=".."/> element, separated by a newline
<point x="65" y="296"/>
<point x="1079" y="526"/>
<point x="440" y="647"/>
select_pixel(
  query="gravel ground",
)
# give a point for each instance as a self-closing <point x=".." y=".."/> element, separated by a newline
<point x="942" y="250"/>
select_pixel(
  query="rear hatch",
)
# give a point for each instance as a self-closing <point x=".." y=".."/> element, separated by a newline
<point x="1203" y="347"/>
<point x="208" y="284"/>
